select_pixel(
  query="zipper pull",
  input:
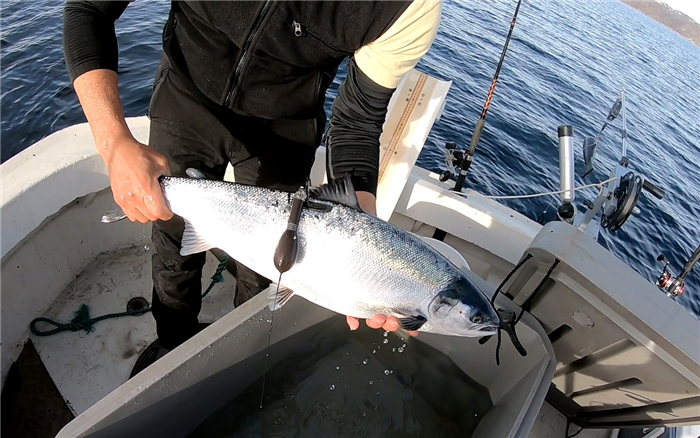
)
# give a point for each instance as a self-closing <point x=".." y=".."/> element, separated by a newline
<point x="297" y="28"/>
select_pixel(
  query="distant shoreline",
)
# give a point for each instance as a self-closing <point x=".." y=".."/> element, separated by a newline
<point x="674" y="20"/>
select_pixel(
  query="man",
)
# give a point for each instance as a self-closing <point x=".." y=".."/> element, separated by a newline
<point x="243" y="82"/>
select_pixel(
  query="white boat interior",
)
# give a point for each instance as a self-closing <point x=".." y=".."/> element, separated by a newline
<point x="605" y="348"/>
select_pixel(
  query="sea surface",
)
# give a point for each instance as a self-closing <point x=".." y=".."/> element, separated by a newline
<point x="566" y="64"/>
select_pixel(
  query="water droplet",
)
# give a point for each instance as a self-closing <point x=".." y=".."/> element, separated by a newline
<point x="371" y="382"/>
<point x="400" y="349"/>
<point x="332" y="387"/>
<point x="386" y="341"/>
<point x="393" y="350"/>
<point x="386" y="372"/>
<point x="363" y="415"/>
<point x="386" y="334"/>
<point x="337" y="368"/>
<point x="364" y="362"/>
<point x="404" y="345"/>
<point x="375" y="408"/>
<point x="187" y="374"/>
<point x="269" y="321"/>
<point x="146" y="247"/>
<point x="374" y="351"/>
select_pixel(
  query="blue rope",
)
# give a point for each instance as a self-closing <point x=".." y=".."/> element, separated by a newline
<point x="82" y="321"/>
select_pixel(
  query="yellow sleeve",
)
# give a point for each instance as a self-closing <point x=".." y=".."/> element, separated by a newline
<point x="387" y="59"/>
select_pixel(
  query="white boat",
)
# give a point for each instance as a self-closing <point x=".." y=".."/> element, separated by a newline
<point x="606" y="349"/>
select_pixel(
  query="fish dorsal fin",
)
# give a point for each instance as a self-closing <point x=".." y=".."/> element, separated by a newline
<point x="339" y="190"/>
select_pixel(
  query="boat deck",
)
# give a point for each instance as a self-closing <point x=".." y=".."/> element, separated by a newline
<point x="88" y="366"/>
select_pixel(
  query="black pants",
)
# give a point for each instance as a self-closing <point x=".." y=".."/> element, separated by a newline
<point x="271" y="153"/>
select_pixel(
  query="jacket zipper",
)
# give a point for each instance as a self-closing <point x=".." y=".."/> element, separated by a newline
<point x="301" y="30"/>
<point x="297" y="28"/>
<point x="246" y="53"/>
<point x="318" y="86"/>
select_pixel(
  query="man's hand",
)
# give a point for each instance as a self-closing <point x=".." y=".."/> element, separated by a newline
<point x="368" y="203"/>
<point x="133" y="170"/>
<point x="390" y="324"/>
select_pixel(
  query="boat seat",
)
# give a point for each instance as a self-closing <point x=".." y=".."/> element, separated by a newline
<point x="452" y="254"/>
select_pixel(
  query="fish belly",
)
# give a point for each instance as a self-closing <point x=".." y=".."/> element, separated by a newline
<point x="348" y="262"/>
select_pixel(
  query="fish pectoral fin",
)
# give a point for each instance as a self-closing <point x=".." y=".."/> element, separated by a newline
<point x="339" y="190"/>
<point x="192" y="241"/>
<point x="278" y="298"/>
<point x="412" y="323"/>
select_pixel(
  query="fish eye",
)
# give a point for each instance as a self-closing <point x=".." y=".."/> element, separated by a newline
<point x="476" y="319"/>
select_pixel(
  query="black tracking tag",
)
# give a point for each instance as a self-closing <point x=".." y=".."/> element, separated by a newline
<point x="288" y="246"/>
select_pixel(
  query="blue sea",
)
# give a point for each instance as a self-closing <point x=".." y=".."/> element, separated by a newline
<point x="566" y="64"/>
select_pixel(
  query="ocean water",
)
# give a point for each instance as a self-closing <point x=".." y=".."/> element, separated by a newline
<point x="566" y="64"/>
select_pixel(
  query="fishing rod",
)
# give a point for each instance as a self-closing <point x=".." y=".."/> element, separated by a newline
<point x="590" y="144"/>
<point x="467" y="160"/>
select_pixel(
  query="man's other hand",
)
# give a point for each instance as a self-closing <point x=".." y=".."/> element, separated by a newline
<point x="368" y="202"/>
<point x="390" y="324"/>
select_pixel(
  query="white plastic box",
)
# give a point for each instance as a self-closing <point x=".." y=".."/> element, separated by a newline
<point x="177" y="393"/>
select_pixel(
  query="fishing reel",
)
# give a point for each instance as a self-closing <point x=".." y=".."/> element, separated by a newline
<point x="667" y="282"/>
<point x="453" y="158"/>
<point x="618" y="197"/>
<point x="621" y="202"/>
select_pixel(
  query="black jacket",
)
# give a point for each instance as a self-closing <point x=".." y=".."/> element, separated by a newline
<point x="267" y="59"/>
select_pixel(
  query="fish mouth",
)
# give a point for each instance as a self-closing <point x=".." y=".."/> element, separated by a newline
<point x="487" y="329"/>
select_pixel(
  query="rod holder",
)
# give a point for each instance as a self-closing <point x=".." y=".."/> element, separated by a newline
<point x="566" y="163"/>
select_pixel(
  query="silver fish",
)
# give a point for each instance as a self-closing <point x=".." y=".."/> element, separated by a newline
<point x="348" y="261"/>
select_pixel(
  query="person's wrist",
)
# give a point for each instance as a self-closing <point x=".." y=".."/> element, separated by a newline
<point x="367" y="202"/>
<point x="114" y="144"/>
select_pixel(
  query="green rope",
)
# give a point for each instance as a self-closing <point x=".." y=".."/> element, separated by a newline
<point x="82" y="321"/>
<point x="218" y="276"/>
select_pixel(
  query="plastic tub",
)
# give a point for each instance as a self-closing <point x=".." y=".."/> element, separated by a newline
<point x="176" y="394"/>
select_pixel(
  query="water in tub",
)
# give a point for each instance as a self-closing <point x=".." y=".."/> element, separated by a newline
<point x="365" y="383"/>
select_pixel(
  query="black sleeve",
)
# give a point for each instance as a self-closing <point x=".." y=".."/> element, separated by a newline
<point x="89" y="39"/>
<point x="352" y="140"/>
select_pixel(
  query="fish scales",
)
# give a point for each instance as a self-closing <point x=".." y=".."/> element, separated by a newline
<point x="348" y="261"/>
<point x="354" y="254"/>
